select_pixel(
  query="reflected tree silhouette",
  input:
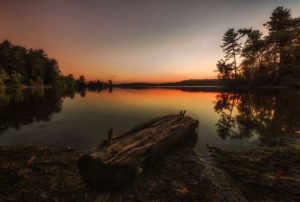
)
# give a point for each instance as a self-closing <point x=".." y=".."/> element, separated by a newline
<point x="22" y="107"/>
<point x="271" y="115"/>
<point x="225" y="106"/>
<point x="82" y="92"/>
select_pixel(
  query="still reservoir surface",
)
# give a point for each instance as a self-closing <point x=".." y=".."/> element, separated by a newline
<point x="231" y="120"/>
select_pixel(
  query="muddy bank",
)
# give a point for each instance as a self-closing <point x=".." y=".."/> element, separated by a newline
<point x="269" y="174"/>
<point x="39" y="174"/>
<point x="181" y="176"/>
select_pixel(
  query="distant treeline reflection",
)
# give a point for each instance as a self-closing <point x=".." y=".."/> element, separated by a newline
<point x="22" y="107"/>
<point x="271" y="115"/>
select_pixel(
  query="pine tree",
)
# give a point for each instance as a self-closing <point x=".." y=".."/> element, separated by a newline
<point x="231" y="47"/>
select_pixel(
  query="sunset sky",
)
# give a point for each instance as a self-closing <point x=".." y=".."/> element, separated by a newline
<point x="132" y="40"/>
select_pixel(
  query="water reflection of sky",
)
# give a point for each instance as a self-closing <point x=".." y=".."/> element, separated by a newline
<point x="84" y="121"/>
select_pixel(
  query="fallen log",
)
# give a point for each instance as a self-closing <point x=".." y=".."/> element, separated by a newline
<point x="115" y="164"/>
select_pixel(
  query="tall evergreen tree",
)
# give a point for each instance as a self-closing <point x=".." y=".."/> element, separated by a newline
<point x="251" y="52"/>
<point x="231" y="47"/>
<point x="280" y="33"/>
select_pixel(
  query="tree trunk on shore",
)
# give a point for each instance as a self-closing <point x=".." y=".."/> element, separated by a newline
<point x="120" y="159"/>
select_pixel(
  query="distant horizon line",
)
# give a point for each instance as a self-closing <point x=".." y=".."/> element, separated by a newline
<point x="154" y="82"/>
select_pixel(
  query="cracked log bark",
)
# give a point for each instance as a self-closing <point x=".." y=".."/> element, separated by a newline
<point x="115" y="164"/>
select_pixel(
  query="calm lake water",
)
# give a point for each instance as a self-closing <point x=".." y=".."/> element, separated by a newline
<point x="232" y="120"/>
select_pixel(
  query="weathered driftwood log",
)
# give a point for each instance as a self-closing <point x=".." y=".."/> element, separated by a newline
<point x="113" y="165"/>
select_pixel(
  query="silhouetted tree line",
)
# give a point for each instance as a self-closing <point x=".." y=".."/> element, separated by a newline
<point x="19" y="65"/>
<point x="254" y="59"/>
<point x="190" y="83"/>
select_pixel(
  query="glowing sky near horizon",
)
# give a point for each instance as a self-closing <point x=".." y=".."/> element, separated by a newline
<point x="132" y="40"/>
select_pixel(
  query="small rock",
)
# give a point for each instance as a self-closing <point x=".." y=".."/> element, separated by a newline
<point x="44" y="195"/>
<point x="69" y="148"/>
<point x="30" y="161"/>
<point x="139" y="170"/>
<point x="24" y="171"/>
<point x="181" y="191"/>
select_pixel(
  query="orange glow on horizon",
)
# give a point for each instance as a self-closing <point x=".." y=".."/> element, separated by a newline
<point x="104" y="72"/>
<point x="131" y="41"/>
<point x="123" y="77"/>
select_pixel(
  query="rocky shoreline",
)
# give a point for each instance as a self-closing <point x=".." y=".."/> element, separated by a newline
<point x="41" y="174"/>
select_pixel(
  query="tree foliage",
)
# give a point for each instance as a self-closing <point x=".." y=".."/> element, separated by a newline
<point x="26" y="66"/>
<point x="231" y="47"/>
<point x="273" y="59"/>
<point x="19" y="65"/>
